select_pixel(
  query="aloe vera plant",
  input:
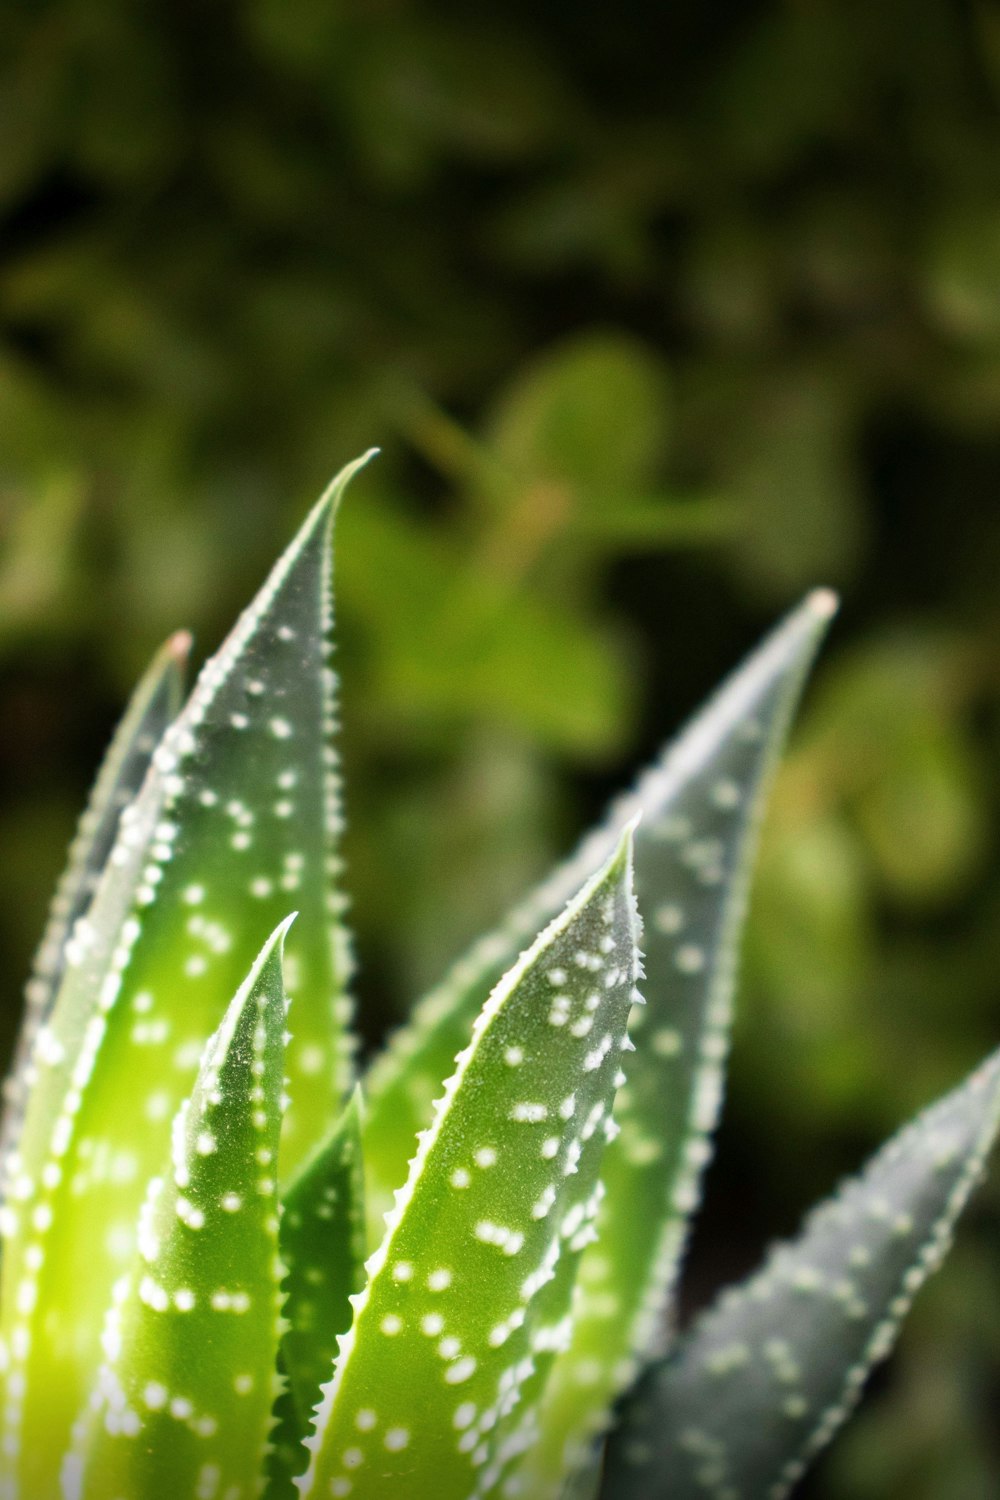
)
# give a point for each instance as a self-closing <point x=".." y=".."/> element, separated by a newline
<point x="234" y="1263"/>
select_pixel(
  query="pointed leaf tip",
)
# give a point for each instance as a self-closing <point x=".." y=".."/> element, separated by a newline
<point x="334" y="492"/>
<point x="468" y="1294"/>
<point x="622" y="857"/>
<point x="824" y="603"/>
<point x="237" y="810"/>
<point x="179" y="646"/>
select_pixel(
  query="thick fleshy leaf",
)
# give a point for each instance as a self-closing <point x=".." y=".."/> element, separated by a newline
<point x="741" y="724"/>
<point x="765" y="1377"/>
<point x="701" y="806"/>
<point x="504" y="1186"/>
<point x="323" y="1251"/>
<point x="238" y="812"/>
<point x="183" y="1400"/>
<point x="155" y="702"/>
<point x="693" y="869"/>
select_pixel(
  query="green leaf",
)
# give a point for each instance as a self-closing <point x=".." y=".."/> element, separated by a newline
<point x="323" y="1251"/>
<point x="453" y="639"/>
<point x="183" y="1400"/>
<point x="238" y="813"/>
<point x="764" y="1378"/>
<point x="503" y="1187"/>
<point x="155" y="702"/>
<point x="693" y="864"/>
<point x="591" y="413"/>
<point x="403" y="1081"/>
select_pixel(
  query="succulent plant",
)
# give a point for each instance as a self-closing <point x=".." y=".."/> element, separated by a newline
<point x="231" y="1268"/>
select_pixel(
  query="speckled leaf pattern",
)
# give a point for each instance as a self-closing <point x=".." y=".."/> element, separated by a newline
<point x="155" y="702"/>
<point x="182" y="1404"/>
<point x="733" y="739"/>
<point x="503" y="1186"/>
<point x="764" y="1379"/>
<point x="700" y="805"/>
<point x="235" y="823"/>
<point x="694" y="852"/>
<point x="323" y="1249"/>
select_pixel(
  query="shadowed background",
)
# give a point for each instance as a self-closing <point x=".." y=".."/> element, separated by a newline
<point x="660" y="319"/>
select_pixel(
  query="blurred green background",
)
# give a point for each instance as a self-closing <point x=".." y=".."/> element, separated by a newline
<point x="661" y="314"/>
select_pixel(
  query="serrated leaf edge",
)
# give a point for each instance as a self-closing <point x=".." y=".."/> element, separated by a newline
<point x="427" y="1138"/>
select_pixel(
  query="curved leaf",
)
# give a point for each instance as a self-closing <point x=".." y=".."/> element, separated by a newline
<point x="403" y="1081"/>
<point x="765" y="1377"/>
<point x="155" y="702"/>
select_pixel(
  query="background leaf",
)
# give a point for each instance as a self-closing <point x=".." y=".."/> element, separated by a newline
<point x="402" y="1082"/>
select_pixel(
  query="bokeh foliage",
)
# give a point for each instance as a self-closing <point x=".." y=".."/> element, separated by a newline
<point x="661" y="317"/>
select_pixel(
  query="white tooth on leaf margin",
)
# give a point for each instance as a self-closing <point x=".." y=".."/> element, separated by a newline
<point x="323" y="1251"/>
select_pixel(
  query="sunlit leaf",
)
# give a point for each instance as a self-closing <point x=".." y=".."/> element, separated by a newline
<point x="155" y="702"/>
<point x="183" y="1399"/>
<point x="235" y="822"/>
<point x="499" y="1203"/>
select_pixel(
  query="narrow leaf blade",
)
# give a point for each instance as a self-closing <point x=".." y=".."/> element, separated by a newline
<point x="693" y="867"/>
<point x="323" y="1251"/>
<point x="503" y="1185"/>
<point x="188" y="1382"/>
<point x="154" y="704"/>
<point x="763" y="1380"/>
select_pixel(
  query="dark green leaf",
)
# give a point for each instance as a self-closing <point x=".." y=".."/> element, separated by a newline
<point x="764" y="1378"/>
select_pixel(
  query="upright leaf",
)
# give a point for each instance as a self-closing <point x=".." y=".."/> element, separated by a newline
<point x="739" y="731"/>
<point x="764" y="1379"/>
<point x="693" y="869"/>
<point x="502" y="1189"/>
<point x="239" y="812"/>
<point x="155" y="702"/>
<point x="323" y="1251"/>
<point x="701" y="805"/>
<point x="182" y="1404"/>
